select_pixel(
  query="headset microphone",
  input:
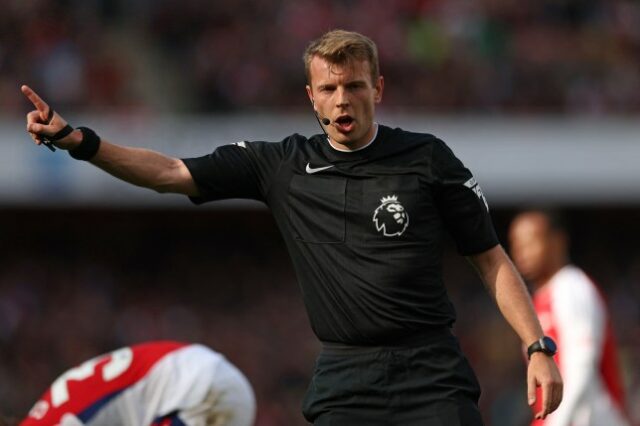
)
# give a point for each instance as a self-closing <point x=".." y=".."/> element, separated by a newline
<point x="321" y="121"/>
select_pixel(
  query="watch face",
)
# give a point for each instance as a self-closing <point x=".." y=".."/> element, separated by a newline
<point x="549" y="345"/>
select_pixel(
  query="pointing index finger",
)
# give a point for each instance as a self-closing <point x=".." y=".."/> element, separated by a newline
<point x="36" y="100"/>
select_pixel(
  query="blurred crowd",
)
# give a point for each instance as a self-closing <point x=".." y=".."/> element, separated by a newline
<point x="74" y="284"/>
<point x="449" y="56"/>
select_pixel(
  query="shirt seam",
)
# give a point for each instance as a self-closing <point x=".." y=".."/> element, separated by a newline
<point x="275" y="173"/>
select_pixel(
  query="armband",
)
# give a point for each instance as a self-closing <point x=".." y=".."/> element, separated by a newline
<point x="88" y="146"/>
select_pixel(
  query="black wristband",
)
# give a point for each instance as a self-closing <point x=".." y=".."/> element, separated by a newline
<point x="64" y="132"/>
<point x="46" y="140"/>
<point x="88" y="147"/>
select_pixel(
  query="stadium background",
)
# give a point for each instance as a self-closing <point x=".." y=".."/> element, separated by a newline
<point x="539" y="98"/>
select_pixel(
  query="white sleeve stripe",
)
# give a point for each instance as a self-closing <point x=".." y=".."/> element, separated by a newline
<point x="580" y="323"/>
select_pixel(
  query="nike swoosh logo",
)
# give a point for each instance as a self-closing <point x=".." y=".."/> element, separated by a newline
<point x="316" y="169"/>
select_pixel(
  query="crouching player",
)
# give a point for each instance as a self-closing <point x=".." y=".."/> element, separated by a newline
<point x="156" y="383"/>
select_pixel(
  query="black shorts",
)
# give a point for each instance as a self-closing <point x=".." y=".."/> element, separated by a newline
<point x="429" y="383"/>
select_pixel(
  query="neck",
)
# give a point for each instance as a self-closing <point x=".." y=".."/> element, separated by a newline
<point x="357" y="145"/>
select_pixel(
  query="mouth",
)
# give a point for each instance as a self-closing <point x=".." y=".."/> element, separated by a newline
<point x="344" y="123"/>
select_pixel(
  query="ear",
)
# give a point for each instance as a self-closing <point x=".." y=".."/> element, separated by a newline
<point x="379" y="87"/>
<point x="310" y="95"/>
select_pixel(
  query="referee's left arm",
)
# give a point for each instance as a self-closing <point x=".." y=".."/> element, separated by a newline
<point x="510" y="294"/>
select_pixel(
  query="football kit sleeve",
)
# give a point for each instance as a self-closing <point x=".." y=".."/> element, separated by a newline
<point x="240" y="170"/>
<point x="580" y="320"/>
<point x="462" y="205"/>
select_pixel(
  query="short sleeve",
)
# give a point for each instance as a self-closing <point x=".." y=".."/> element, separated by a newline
<point x="461" y="203"/>
<point x="239" y="170"/>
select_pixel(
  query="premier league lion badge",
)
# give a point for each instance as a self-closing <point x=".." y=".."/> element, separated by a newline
<point x="390" y="217"/>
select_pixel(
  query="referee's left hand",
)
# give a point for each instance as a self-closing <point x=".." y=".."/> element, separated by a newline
<point x="543" y="372"/>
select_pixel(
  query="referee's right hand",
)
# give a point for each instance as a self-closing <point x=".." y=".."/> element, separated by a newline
<point x="39" y="125"/>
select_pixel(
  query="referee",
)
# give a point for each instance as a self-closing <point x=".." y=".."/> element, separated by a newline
<point x="363" y="210"/>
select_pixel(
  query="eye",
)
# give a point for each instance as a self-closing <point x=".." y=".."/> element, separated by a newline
<point x="326" y="89"/>
<point x="356" y="85"/>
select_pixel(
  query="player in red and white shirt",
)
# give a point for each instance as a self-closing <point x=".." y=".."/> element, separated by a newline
<point x="573" y="313"/>
<point x="151" y="384"/>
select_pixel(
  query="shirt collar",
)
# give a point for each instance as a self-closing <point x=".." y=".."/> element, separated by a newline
<point x="373" y="138"/>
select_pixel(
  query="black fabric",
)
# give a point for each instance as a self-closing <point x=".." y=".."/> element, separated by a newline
<point x="428" y="384"/>
<point x="60" y="133"/>
<point x="88" y="147"/>
<point x="46" y="140"/>
<point x="365" y="229"/>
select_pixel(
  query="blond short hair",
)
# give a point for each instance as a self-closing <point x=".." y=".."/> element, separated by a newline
<point x="342" y="48"/>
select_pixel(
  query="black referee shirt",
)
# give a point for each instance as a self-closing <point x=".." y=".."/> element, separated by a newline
<point x="364" y="228"/>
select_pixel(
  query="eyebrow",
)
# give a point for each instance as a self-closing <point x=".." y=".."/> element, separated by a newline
<point x="325" y="86"/>
<point x="358" y="82"/>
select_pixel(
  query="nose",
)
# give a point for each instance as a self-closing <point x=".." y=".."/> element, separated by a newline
<point x="342" y="97"/>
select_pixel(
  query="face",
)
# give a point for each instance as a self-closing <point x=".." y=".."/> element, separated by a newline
<point x="531" y="246"/>
<point x="345" y="95"/>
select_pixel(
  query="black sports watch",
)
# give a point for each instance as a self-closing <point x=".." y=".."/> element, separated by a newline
<point x="545" y="345"/>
